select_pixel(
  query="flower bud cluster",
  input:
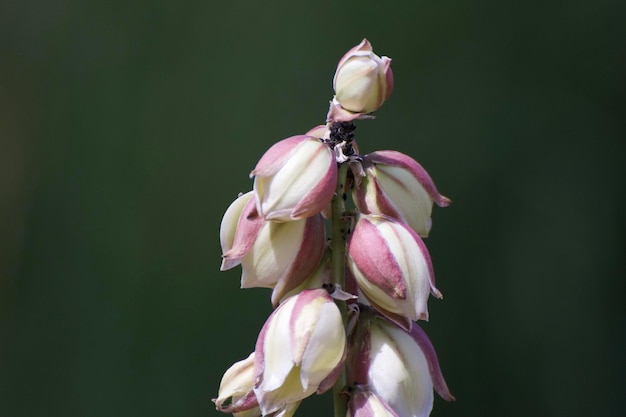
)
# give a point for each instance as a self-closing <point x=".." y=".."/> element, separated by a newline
<point x="378" y="358"/>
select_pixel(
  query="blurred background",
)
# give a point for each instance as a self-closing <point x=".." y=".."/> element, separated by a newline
<point x="127" y="128"/>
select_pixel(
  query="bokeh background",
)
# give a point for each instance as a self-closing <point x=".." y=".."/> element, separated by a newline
<point x="128" y="127"/>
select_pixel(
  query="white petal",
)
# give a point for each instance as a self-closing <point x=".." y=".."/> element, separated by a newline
<point x="399" y="372"/>
<point x="237" y="380"/>
<point x="325" y="348"/>
<point x="290" y="392"/>
<point x="272" y="254"/>
<point x="229" y="222"/>
<point x="277" y="356"/>
<point x="408" y="195"/>
<point x="306" y="167"/>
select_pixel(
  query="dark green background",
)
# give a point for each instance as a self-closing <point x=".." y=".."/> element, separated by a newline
<point x="127" y="127"/>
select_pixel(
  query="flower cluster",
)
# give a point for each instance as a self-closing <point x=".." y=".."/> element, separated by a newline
<point x="345" y="305"/>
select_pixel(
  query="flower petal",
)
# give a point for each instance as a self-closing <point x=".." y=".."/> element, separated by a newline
<point x="318" y="360"/>
<point x="248" y="226"/>
<point x="428" y="349"/>
<point x="373" y="258"/>
<point x="295" y="182"/>
<point x="399" y="372"/>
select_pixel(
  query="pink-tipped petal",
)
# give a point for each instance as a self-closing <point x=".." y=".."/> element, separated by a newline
<point x="276" y="156"/>
<point x="328" y="382"/>
<point x="336" y="113"/>
<point x="312" y="243"/>
<point x="372" y="255"/>
<point x="395" y="158"/>
<point x="371" y="199"/>
<point x="235" y="392"/>
<point x="319" y="131"/>
<point x="429" y="264"/>
<point x="244" y="403"/>
<point x="363" y="46"/>
<point x="306" y="260"/>
<point x="398" y="319"/>
<point x="318" y="198"/>
<point x="247" y="231"/>
<point x="388" y="76"/>
<point x="428" y="349"/>
<point x="398" y="187"/>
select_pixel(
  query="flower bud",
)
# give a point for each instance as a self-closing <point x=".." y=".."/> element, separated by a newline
<point x="400" y="367"/>
<point x="272" y="255"/>
<point x="299" y="351"/>
<point x="392" y="268"/>
<point x="294" y="179"/>
<point x="397" y="186"/>
<point x="235" y="394"/>
<point x="363" y="80"/>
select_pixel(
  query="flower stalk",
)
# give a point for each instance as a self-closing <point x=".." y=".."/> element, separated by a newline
<point x="338" y="261"/>
<point x="373" y="355"/>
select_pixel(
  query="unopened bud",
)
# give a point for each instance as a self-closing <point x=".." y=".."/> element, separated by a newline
<point x="363" y="80"/>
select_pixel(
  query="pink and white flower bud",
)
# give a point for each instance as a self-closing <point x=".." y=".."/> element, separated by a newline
<point x="236" y="395"/>
<point x="400" y="367"/>
<point x="272" y="255"/>
<point x="363" y="80"/>
<point x="392" y="268"/>
<point x="397" y="186"/>
<point x="299" y="351"/>
<point x="294" y="179"/>
<point x="364" y="403"/>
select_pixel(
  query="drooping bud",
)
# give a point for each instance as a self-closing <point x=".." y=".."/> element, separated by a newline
<point x="294" y="179"/>
<point x="392" y="268"/>
<point x="300" y="350"/>
<point x="400" y="367"/>
<point x="397" y="186"/>
<point x="236" y="394"/>
<point x="363" y="80"/>
<point x="272" y="255"/>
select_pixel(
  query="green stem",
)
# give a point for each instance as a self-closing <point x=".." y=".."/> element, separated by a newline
<point x="338" y="253"/>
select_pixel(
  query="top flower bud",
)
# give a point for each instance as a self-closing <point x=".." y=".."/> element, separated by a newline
<point x="363" y="80"/>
